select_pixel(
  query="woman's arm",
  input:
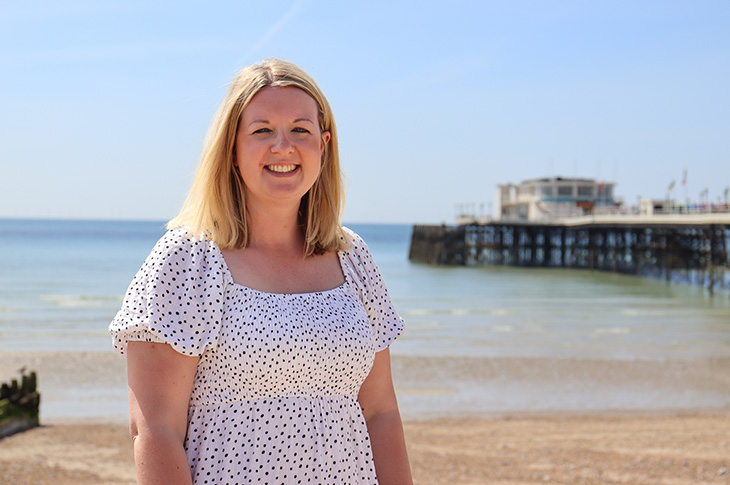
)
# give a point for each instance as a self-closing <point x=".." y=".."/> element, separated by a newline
<point x="160" y="383"/>
<point x="380" y="408"/>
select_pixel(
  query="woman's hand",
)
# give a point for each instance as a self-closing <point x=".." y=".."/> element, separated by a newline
<point x="380" y="408"/>
<point x="160" y="384"/>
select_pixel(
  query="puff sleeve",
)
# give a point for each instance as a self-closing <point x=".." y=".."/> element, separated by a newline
<point x="175" y="298"/>
<point x="361" y="270"/>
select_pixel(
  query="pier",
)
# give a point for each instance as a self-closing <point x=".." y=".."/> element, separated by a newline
<point x="692" y="248"/>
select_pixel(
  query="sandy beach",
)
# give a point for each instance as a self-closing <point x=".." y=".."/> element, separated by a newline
<point x="84" y="438"/>
<point x="628" y="449"/>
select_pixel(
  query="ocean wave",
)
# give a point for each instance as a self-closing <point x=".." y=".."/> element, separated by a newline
<point x="643" y="312"/>
<point x="500" y="312"/>
<point x="460" y="311"/>
<point x="419" y="312"/>
<point x="611" y="331"/>
<point x="497" y="312"/>
<point x="80" y="301"/>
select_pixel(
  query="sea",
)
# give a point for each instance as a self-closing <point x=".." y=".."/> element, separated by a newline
<point x="62" y="281"/>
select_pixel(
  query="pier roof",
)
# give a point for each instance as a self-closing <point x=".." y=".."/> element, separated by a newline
<point x="706" y="219"/>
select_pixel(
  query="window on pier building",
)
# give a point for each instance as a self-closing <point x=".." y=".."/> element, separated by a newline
<point x="585" y="191"/>
<point x="546" y="191"/>
<point x="565" y="191"/>
<point x="605" y="192"/>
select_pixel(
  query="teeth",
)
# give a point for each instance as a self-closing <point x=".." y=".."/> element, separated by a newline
<point x="281" y="168"/>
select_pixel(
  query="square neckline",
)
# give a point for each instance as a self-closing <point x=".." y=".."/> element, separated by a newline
<point x="229" y="276"/>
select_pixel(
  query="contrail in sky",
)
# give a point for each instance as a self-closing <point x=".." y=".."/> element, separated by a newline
<point x="274" y="29"/>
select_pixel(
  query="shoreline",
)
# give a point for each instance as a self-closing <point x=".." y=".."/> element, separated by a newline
<point x="595" y="448"/>
<point x="91" y="385"/>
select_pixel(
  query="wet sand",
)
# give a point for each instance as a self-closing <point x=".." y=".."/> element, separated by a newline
<point x="456" y="432"/>
<point x="91" y="386"/>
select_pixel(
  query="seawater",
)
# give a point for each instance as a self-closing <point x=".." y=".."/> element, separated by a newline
<point x="61" y="282"/>
<point x="477" y="340"/>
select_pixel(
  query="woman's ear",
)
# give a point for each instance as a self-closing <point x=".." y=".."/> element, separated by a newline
<point x="326" y="135"/>
<point x="234" y="159"/>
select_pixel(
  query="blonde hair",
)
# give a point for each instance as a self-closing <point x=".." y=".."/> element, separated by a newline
<point x="216" y="204"/>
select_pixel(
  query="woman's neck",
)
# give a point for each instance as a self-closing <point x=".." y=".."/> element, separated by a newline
<point x="276" y="228"/>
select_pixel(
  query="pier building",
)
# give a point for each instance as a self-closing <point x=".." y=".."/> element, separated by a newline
<point x="544" y="199"/>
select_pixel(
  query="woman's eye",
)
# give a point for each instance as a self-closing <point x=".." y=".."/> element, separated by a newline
<point x="301" y="130"/>
<point x="262" y="130"/>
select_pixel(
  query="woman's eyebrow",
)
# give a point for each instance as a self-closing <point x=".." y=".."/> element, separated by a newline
<point x="298" y="120"/>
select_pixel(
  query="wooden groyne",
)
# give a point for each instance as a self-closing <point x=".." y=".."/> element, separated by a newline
<point x="19" y="404"/>
<point x="689" y="248"/>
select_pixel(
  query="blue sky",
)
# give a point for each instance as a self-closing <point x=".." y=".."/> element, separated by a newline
<point x="105" y="104"/>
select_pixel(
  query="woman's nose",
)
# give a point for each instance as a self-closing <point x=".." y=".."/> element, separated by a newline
<point x="282" y="143"/>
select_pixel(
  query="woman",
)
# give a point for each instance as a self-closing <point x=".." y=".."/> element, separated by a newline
<point x="257" y="331"/>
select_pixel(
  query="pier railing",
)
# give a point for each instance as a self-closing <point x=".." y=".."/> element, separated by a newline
<point x="691" y="248"/>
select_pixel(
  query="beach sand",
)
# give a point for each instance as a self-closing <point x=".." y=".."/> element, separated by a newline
<point x="589" y="449"/>
<point x="84" y="439"/>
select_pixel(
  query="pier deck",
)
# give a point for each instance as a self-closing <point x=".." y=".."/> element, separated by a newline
<point x="672" y="246"/>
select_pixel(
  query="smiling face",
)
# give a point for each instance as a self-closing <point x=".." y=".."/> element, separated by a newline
<point x="279" y="146"/>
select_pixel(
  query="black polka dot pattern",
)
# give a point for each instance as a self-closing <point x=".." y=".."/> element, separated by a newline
<point x="275" y="395"/>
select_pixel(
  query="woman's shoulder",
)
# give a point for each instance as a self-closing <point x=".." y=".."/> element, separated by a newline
<point x="357" y="253"/>
<point x="182" y="237"/>
<point x="353" y="241"/>
<point x="180" y="243"/>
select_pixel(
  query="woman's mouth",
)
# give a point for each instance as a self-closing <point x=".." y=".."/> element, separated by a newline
<point x="281" y="168"/>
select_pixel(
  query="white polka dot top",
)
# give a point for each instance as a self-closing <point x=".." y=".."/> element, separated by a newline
<point x="275" y="394"/>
